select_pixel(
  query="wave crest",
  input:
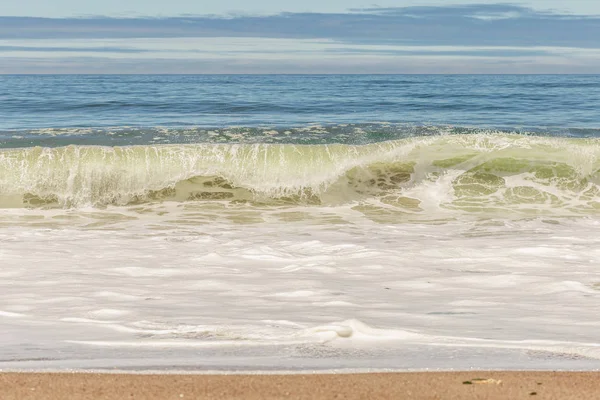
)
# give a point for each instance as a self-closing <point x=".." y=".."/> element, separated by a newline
<point x="459" y="172"/>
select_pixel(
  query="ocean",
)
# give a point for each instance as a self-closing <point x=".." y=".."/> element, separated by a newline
<point x="299" y="222"/>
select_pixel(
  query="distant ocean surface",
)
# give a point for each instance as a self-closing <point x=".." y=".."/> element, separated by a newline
<point x="143" y="109"/>
<point x="299" y="222"/>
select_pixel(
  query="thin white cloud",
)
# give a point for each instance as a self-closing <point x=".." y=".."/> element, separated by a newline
<point x="264" y="55"/>
<point x="200" y="48"/>
<point x="497" y="16"/>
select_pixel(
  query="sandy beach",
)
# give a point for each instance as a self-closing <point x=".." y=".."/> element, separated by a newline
<point x="409" y="385"/>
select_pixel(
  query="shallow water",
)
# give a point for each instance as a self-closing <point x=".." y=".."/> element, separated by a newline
<point x="123" y="288"/>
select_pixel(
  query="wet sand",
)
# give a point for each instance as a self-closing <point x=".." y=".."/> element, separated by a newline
<point x="408" y="385"/>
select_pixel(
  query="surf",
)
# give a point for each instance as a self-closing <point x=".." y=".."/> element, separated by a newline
<point x="472" y="173"/>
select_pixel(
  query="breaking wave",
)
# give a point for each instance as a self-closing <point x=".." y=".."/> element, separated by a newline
<point x="473" y="173"/>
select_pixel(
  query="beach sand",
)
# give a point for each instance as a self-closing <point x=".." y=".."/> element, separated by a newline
<point x="408" y="385"/>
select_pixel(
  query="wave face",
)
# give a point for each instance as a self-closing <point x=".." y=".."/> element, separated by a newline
<point x="472" y="173"/>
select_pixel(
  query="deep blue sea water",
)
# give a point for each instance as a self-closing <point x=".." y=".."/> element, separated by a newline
<point x="133" y="106"/>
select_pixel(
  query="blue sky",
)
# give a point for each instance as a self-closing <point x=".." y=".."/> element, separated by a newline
<point x="70" y="8"/>
<point x="230" y="36"/>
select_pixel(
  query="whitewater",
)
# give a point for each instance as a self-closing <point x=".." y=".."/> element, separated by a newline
<point x="303" y="247"/>
<point x="478" y="172"/>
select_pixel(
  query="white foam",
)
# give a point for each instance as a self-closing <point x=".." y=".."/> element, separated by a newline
<point x="9" y="314"/>
<point x="313" y="293"/>
<point x="358" y="330"/>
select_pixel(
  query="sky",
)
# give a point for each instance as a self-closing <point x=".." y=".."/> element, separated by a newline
<point x="77" y="8"/>
<point x="309" y="36"/>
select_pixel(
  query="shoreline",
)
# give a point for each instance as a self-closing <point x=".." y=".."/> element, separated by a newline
<point x="275" y="372"/>
<point x="302" y="385"/>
